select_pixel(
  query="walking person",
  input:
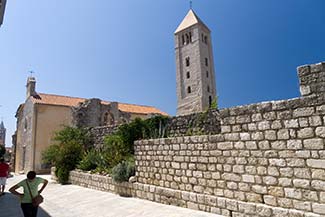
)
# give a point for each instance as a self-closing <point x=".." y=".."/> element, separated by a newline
<point x="30" y="186"/>
<point x="4" y="172"/>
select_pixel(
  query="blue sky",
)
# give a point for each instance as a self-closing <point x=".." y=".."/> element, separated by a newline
<point x="123" y="50"/>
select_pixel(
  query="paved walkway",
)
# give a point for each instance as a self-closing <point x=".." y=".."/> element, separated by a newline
<point x="75" y="201"/>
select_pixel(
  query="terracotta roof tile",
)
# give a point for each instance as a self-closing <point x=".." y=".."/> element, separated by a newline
<point x="50" y="99"/>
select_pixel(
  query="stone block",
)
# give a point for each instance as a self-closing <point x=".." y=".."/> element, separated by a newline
<point x="305" y="133"/>
<point x="318" y="185"/>
<point x="275" y="191"/>
<point x="277" y="162"/>
<point x="279" y="145"/>
<point x="270" y="200"/>
<point x="318" y="208"/>
<point x="316" y="163"/>
<point x="264" y="211"/>
<point x="313" y="144"/>
<point x="270" y="180"/>
<point x="320" y="132"/>
<point x="270" y="135"/>
<point x="303" y="112"/>
<point x="294" y="144"/>
<point x="301" y="183"/>
<point x="292" y="123"/>
<point x="293" y="193"/>
<point x="301" y="205"/>
<point x="225" y="145"/>
<point x="232" y="136"/>
<point x="318" y="174"/>
<point x="264" y="125"/>
<point x="283" y="134"/>
<point x="251" y="145"/>
<point x="259" y="189"/>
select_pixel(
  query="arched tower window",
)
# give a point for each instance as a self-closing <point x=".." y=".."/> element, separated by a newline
<point x="188" y="75"/>
<point x="187" y="60"/>
<point x="189" y="89"/>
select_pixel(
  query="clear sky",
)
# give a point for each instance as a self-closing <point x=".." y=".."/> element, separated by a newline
<point x="123" y="50"/>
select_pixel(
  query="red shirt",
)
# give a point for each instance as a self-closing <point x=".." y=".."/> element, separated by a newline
<point x="4" y="169"/>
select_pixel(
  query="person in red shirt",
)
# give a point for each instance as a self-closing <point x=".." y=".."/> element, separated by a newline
<point x="4" y="170"/>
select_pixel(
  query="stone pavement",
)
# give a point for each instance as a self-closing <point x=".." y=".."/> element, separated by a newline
<point x="76" y="201"/>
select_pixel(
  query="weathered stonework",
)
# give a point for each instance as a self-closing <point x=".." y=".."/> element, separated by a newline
<point x="268" y="159"/>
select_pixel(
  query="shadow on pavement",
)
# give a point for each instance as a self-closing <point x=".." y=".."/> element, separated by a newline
<point x="10" y="207"/>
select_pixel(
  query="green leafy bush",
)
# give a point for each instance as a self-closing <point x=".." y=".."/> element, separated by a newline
<point x="67" y="151"/>
<point x="90" y="161"/>
<point x="123" y="171"/>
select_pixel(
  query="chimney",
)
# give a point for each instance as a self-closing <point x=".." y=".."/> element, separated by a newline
<point x="30" y="87"/>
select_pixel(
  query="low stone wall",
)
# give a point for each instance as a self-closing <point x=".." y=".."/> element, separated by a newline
<point x="197" y="201"/>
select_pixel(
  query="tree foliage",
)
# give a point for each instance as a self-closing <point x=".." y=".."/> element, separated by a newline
<point x="67" y="151"/>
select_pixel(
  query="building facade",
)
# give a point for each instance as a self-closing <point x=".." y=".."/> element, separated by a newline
<point x="41" y="115"/>
<point x="195" y="76"/>
<point x="2" y="134"/>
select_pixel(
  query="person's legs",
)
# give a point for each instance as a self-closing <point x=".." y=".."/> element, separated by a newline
<point x="2" y="184"/>
<point x="29" y="210"/>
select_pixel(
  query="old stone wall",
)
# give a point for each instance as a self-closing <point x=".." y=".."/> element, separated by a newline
<point x="207" y="122"/>
<point x="98" y="134"/>
<point x="267" y="160"/>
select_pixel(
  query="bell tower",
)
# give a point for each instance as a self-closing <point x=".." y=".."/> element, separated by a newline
<point x="195" y="77"/>
<point x="2" y="134"/>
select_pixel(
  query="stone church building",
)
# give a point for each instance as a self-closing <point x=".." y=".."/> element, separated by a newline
<point x="43" y="114"/>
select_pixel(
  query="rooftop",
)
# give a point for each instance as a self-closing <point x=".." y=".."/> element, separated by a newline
<point x="51" y="99"/>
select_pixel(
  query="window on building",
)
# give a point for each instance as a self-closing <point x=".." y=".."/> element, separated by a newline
<point x="207" y="73"/>
<point x="190" y="34"/>
<point x="210" y="100"/>
<point x="188" y="75"/>
<point x="206" y="39"/>
<point x="187" y="60"/>
<point x="25" y="124"/>
<point x="202" y="37"/>
<point x="189" y="89"/>
<point x="183" y="40"/>
<point x="187" y="38"/>
<point x="206" y="62"/>
<point x="208" y="88"/>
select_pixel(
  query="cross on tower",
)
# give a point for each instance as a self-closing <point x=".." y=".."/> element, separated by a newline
<point x="31" y="73"/>
<point x="191" y="4"/>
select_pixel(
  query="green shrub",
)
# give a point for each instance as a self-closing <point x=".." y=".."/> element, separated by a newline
<point x="90" y="161"/>
<point x="123" y="171"/>
<point x="50" y="155"/>
<point x="67" y="152"/>
<point x="114" y="150"/>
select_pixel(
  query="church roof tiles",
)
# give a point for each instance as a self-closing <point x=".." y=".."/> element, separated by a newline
<point x="51" y="99"/>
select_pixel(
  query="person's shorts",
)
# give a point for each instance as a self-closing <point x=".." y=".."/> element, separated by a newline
<point x="3" y="180"/>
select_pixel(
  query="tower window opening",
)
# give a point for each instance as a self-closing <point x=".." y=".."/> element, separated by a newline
<point x="183" y="40"/>
<point x="187" y="38"/>
<point x="210" y="101"/>
<point x="207" y="74"/>
<point x="189" y="89"/>
<point x="206" y="62"/>
<point x="202" y="37"/>
<point x="208" y="88"/>
<point x="187" y="60"/>
<point x="205" y="39"/>
<point x="188" y="75"/>
<point x="190" y="34"/>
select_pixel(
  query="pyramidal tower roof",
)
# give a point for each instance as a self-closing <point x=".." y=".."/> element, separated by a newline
<point x="190" y="19"/>
<point x="2" y="126"/>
